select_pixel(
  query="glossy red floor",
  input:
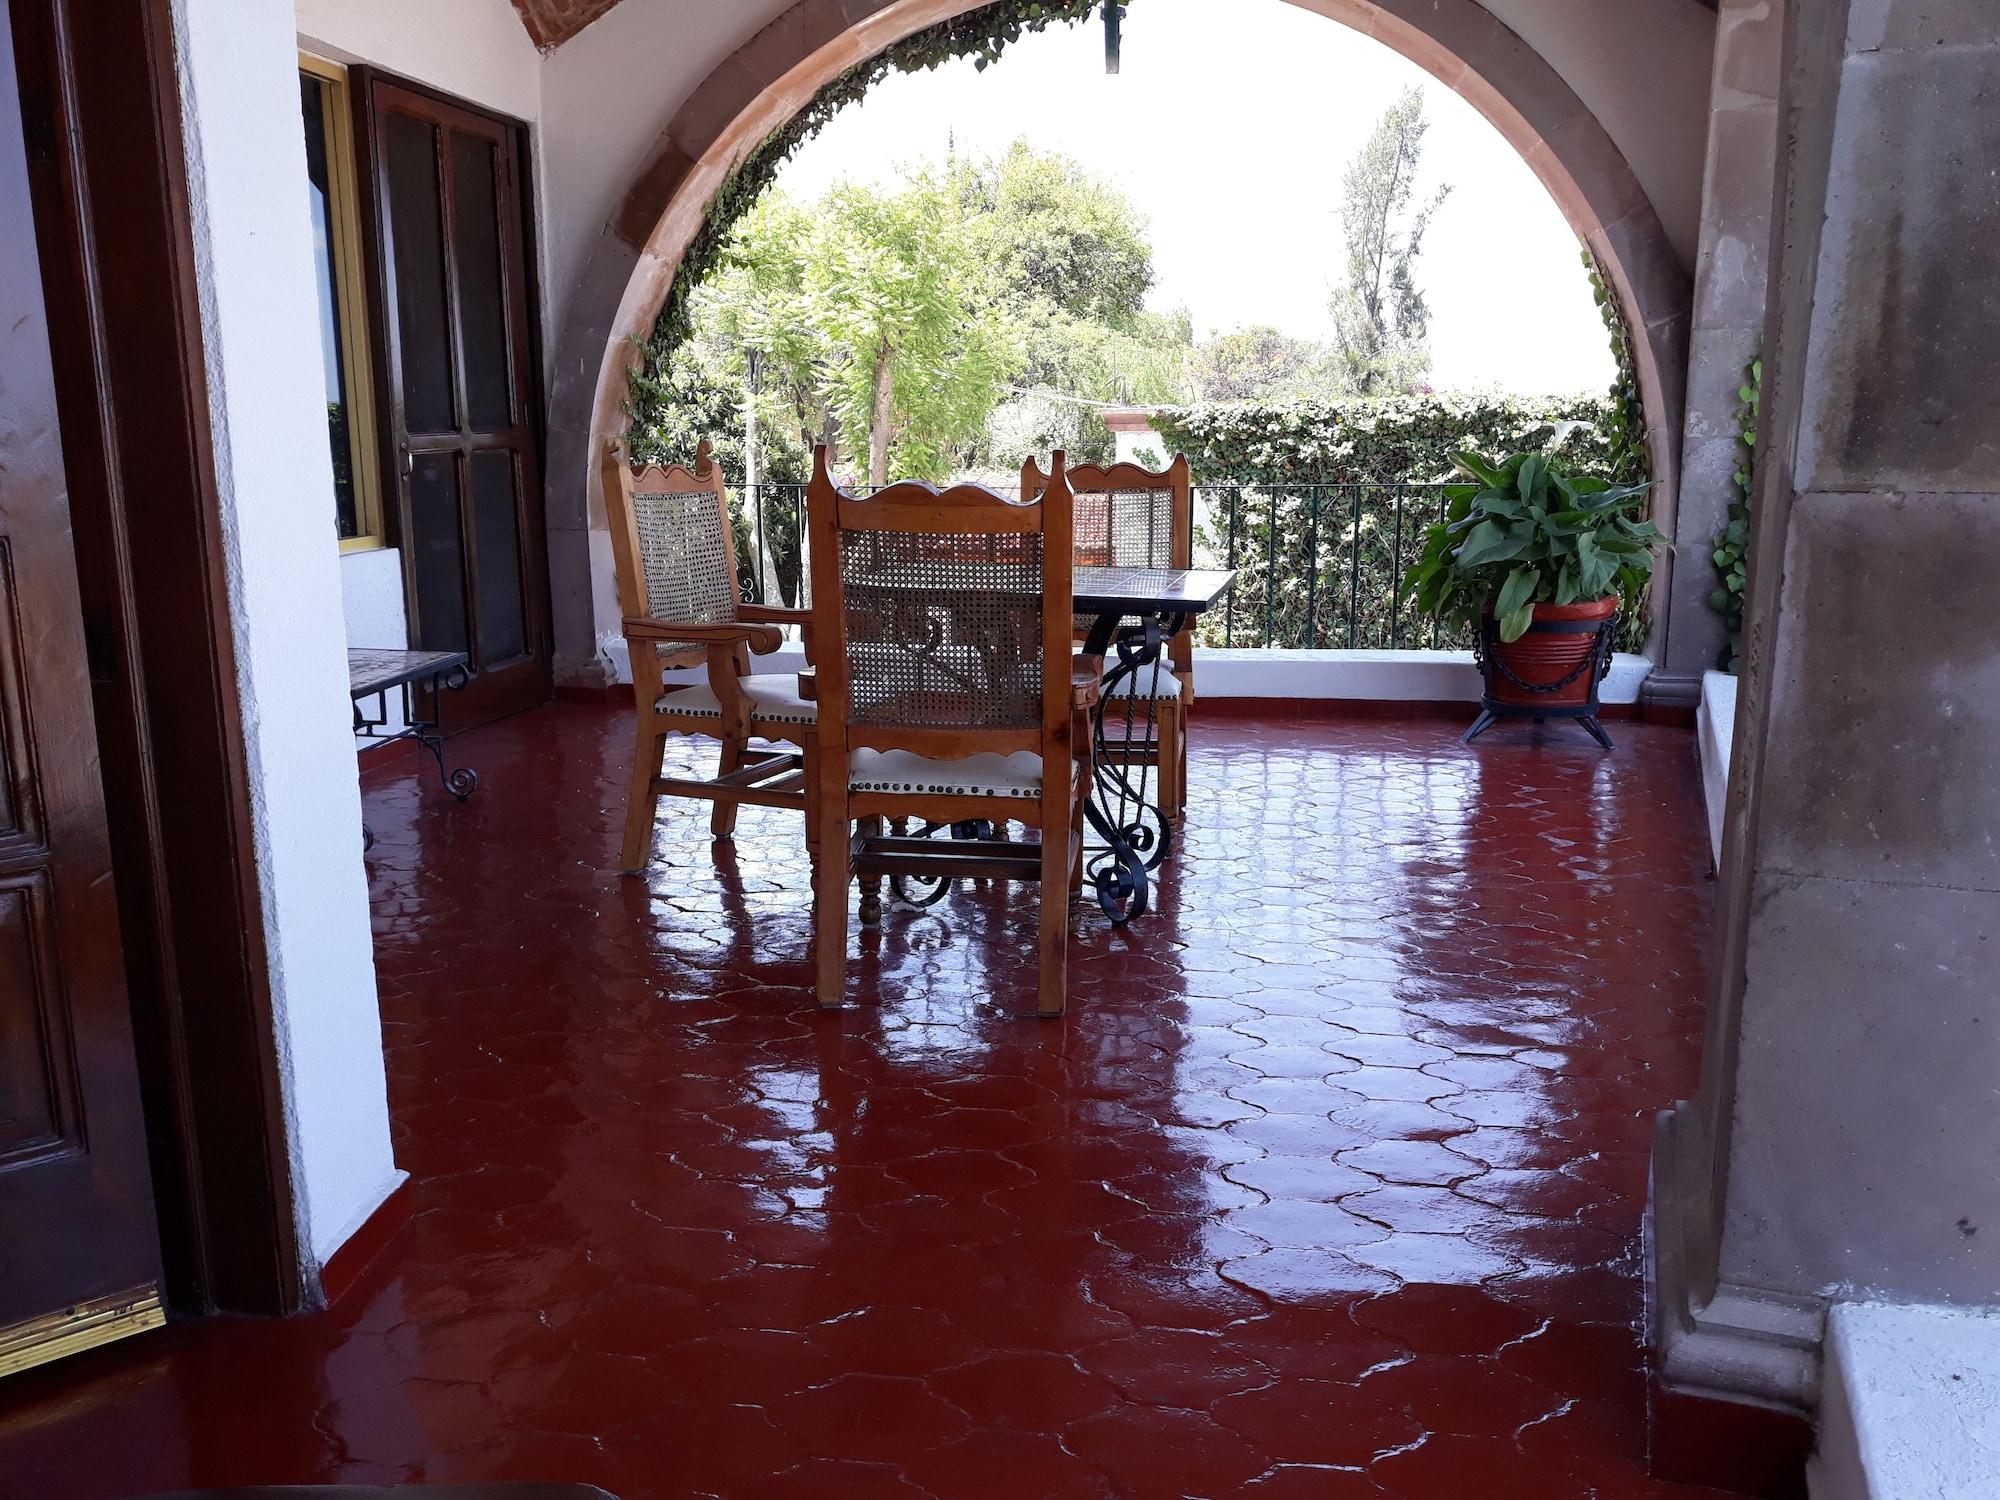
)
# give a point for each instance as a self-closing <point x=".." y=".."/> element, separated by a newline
<point x="1328" y="1186"/>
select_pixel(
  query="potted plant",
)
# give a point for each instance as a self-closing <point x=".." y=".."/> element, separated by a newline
<point x="1536" y="561"/>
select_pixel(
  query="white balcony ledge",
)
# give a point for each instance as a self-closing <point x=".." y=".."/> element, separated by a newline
<point x="1370" y="675"/>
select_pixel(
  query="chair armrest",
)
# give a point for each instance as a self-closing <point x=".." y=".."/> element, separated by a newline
<point x="1086" y="681"/>
<point x="759" y="637"/>
<point x="772" y="614"/>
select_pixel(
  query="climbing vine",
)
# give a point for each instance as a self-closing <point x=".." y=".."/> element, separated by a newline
<point x="981" y="34"/>
<point x="1624" y="427"/>
<point x="1732" y="542"/>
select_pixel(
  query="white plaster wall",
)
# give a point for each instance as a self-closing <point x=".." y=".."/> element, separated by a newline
<point x="371" y="594"/>
<point x="476" y="49"/>
<point x="253" y="247"/>
<point x="607" y="96"/>
<point x="1376" y="675"/>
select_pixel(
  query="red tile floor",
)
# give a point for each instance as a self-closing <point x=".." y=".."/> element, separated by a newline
<point x="1329" y="1185"/>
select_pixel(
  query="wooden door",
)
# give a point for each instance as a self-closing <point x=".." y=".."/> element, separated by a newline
<point x="79" y="1248"/>
<point x="450" y="211"/>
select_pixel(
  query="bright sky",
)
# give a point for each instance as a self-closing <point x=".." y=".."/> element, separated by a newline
<point x="1232" y="140"/>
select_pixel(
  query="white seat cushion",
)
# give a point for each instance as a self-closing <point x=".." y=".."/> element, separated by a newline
<point x="985" y="775"/>
<point x="1140" y="684"/>
<point x="774" y="699"/>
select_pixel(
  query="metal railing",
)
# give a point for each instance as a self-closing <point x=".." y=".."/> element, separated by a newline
<point x="1319" y="566"/>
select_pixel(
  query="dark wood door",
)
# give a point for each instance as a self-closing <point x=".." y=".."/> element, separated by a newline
<point x="450" y="208"/>
<point x="79" y="1248"/>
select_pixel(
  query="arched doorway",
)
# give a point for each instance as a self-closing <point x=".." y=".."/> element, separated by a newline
<point x="617" y="296"/>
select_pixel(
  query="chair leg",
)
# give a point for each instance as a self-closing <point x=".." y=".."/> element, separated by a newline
<point x="812" y="800"/>
<point x="641" y="800"/>
<point x="1173" y="762"/>
<point x="871" y="886"/>
<point x="1053" y="979"/>
<point x="830" y="883"/>
<point x="722" y="821"/>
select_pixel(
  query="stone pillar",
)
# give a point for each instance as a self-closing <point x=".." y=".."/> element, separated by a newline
<point x="1846" y="1133"/>
<point x="1731" y="283"/>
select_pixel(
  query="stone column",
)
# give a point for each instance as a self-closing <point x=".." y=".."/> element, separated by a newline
<point x="1731" y="283"/>
<point x="1847" y="1130"/>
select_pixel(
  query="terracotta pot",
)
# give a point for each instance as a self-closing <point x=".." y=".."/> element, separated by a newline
<point x="1556" y="645"/>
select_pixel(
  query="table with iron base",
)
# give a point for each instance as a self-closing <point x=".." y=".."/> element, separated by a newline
<point x="1135" y="613"/>
<point x="1138" y="611"/>
<point x="373" y="673"/>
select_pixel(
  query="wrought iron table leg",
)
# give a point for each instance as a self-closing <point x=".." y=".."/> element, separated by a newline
<point x="463" y="781"/>
<point x="1119" y="872"/>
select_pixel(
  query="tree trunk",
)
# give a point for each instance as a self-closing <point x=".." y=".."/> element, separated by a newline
<point x="753" y="487"/>
<point x="885" y="411"/>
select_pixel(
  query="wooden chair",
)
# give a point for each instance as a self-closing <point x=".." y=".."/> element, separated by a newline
<point x="1129" y="517"/>
<point x="947" y="693"/>
<point x="678" y="591"/>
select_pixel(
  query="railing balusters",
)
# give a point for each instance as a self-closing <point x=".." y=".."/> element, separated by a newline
<point x="1312" y="572"/>
<point x="1270" y="567"/>
<point x="779" y="550"/>
<point x="1229" y="613"/>
<point x="1396" y="574"/>
<point x="1354" y="573"/>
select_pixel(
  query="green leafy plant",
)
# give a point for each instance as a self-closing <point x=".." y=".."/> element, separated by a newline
<point x="981" y="34"/>
<point x="1525" y="532"/>
<point x="1732" y="543"/>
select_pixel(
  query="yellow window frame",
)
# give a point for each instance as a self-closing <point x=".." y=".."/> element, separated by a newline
<point x="351" y="283"/>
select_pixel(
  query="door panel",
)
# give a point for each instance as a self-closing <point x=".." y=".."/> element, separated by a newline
<point x="453" y="249"/>
<point x="76" y="1206"/>
<point x="495" y="502"/>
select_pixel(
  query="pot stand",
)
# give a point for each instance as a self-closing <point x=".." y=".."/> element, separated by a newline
<point x="1492" y="710"/>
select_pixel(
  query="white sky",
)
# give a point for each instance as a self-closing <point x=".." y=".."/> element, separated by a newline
<point x="1232" y="141"/>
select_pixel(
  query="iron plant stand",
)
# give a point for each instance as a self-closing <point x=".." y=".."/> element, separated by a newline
<point x="1597" y="663"/>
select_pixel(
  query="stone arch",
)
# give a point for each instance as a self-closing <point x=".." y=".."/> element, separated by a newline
<point x="621" y="288"/>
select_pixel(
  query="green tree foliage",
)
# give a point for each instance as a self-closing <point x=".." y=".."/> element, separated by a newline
<point x="1380" y="317"/>
<point x="1075" y="263"/>
<point x="1731" y="549"/>
<point x="915" y="344"/>
<point x="1262" y="364"/>
<point x="869" y="319"/>
<point x="1058" y="235"/>
<point x="1375" y="440"/>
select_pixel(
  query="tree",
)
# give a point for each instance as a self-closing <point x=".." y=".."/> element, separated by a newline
<point x="1057" y="235"/>
<point x="1262" y="364"/>
<point x="917" y="344"/>
<point x="1380" y="317"/>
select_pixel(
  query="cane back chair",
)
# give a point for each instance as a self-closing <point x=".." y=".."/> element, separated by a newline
<point x="677" y="588"/>
<point x="1132" y="517"/>
<point x="947" y="693"/>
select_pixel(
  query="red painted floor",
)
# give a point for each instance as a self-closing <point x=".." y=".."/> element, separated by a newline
<point x="1329" y="1185"/>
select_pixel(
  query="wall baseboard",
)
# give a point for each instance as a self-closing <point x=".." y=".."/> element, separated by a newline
<point x="371" y="1237"/>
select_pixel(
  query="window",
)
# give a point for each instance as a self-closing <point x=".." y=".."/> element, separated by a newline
<point x="343" y="329"/>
